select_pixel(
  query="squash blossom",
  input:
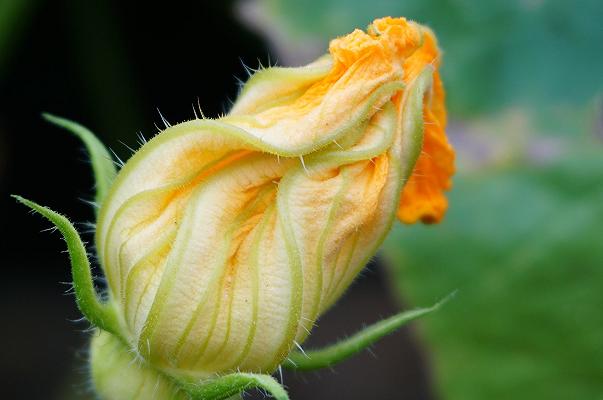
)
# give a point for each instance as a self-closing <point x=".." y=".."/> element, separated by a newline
<point x="224" y="240"/>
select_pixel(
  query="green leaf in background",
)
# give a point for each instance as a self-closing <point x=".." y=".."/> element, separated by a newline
<point x="524" y="246"/>
<point x="498" y="53"/>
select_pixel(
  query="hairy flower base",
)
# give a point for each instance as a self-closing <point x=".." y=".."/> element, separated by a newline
<point x="117" y="375"/>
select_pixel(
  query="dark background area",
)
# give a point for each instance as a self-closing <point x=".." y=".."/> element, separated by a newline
<point x="110" y="65"/>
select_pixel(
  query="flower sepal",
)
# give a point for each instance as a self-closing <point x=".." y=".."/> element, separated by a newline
<point x="118" y="373"/>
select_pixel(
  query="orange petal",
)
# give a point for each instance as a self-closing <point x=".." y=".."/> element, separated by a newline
<point x="423" y="195"/>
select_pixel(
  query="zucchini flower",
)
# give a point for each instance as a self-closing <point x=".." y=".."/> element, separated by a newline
<point x="224" y="240"/>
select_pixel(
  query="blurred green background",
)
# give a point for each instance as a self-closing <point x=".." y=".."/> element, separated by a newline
<point x="522" y="242"/>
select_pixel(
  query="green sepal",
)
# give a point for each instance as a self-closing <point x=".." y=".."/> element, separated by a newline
<point x="119" y="373"/>
<point x="331" y="355"/>
<point x="224" y="387"/>
<point x="102" y="163"/>
<point x="96" y="312"/>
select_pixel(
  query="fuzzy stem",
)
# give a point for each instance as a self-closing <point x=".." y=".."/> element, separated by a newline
<point x="98" y="313"/>
<point x="331" y="355"/>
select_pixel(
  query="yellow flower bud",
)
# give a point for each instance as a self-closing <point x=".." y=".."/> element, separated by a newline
<point x="224" y="240"/>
